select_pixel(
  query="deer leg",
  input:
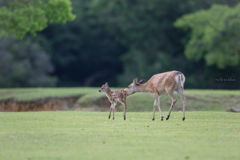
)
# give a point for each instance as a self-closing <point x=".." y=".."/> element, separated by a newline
<point x="110" y="111"/>
<point x="114" y="104"/>
<point x="125" y="110"/>
<point x="156" y="103"/>
<point x="180" y="92"/>
<point x="154" y="106"/>
<point x="174" y="100"/>
<point x="160" y="112"/>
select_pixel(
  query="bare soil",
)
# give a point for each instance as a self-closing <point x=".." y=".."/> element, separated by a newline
<point x="44" y="104"/>
<point x="52" y="104"/>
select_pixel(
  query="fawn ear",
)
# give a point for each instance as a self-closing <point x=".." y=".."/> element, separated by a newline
<point x="106" y="83"/>
<point x="135" y="81"/>
<point x="141" y="81"/>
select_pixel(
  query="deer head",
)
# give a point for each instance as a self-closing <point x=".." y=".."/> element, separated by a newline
<point x="104" y="88"/>
<point x="133" y="87"/>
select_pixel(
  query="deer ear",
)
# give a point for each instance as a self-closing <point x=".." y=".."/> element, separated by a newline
<point x="135" y="81"/>
<point x="106" y="83"/>
<point x="141" y="81"/>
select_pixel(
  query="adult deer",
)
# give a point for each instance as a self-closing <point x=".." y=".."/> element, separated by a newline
<point x="159" y="84"/>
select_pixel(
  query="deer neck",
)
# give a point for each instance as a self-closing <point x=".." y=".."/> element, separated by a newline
<point x="108" y="94"/>
<point x="142" y="87"/>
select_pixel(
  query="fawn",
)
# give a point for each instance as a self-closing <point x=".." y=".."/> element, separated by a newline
<point x="113" y="97"/>
<point x="159" y="84"/>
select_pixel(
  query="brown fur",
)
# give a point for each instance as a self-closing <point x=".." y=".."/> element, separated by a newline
<point x="114" y="96"/>
<point x="159" y="84"/>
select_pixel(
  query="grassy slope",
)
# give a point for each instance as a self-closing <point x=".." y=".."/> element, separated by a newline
<point x="35" y="93"/>
<point x="90" y="135"/>
<point x="200" y="100"/>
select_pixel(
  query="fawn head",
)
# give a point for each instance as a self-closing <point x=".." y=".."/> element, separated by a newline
<point x="104" y="88"/>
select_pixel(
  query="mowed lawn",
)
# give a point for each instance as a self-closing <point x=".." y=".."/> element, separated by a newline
<point x="91" y="135"/>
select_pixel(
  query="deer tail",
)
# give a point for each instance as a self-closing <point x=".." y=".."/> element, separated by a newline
<point x="180" y="79"/>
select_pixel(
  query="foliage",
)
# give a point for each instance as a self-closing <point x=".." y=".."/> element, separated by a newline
<point x="118" y="40"/>
<point x="214" y="35"/>
<point x="89" y="135"/>
<point x="19" y="17"/>
<point x="24" y="64"/>
<point x="142" y="26"/>
<point x="84" y="54"/>
<point x="155" y="45"/>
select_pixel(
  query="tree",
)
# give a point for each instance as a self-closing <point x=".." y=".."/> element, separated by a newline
<point x="146" y="28"/>
<point x="154" y="44"/>
<point x="119" y="40"/>
<point x="24" y="64"/>
<point x="84" y="54"/>
<point x="19" y="17"/>
<point x="214" y="35"/>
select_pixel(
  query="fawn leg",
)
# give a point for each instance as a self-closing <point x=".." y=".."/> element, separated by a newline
<point x="125" y="110"/>
<point x="110" y="111"/>
<point x="113" y="108"/>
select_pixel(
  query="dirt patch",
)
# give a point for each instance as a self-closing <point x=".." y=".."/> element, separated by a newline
<point x="44" y="104"/>
<point x="53" y="104"/>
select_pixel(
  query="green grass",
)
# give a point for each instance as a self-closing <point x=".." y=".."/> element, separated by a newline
<point x="36" y="93"/>
<point x="90" y="135"/>
<point x="197" y="100"/>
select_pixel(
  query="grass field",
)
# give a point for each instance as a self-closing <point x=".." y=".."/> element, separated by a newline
<point x="90" y="135"/>
<point x="25" y="94"/>
<point x="197" y="100"/>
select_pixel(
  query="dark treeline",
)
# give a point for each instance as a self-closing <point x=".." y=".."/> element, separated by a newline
<point x="113" y="41"/>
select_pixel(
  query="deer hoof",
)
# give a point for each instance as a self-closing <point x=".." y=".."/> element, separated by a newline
<point x="183" y="118"/>
<point x="167" y="117"/>
<point x="109" y="117"/>
<point x="153" y="119"/>
<point x="161" y="118"/>
<point x="124" y="117"/>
